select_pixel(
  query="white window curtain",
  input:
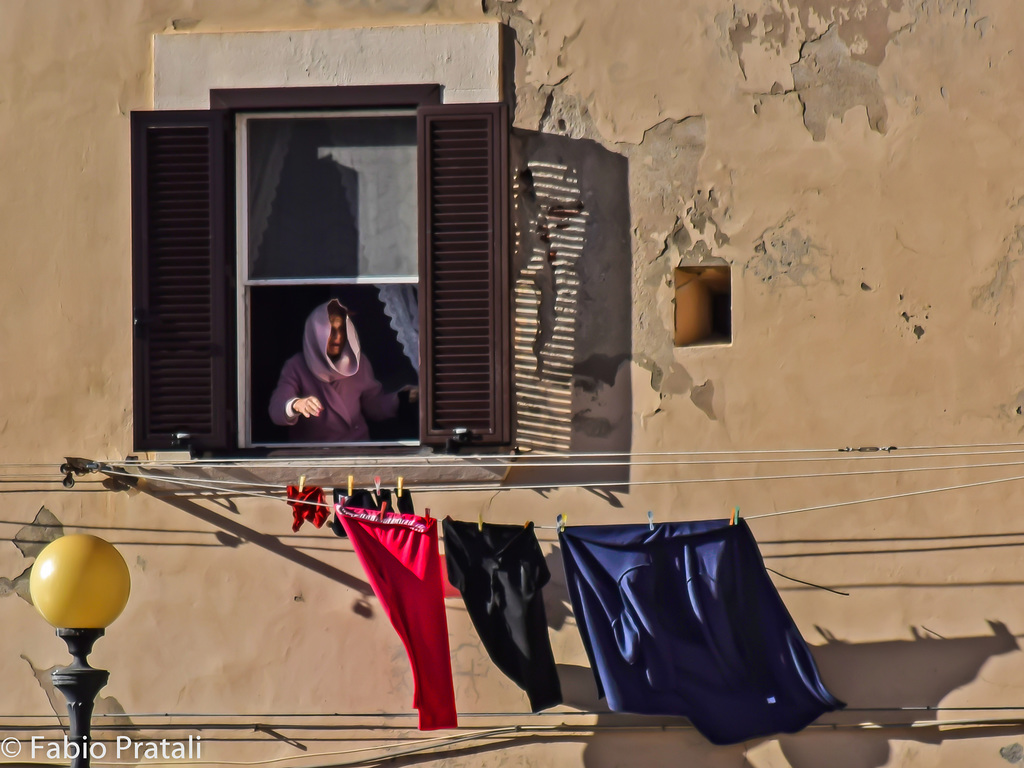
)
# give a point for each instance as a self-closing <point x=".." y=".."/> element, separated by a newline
<point x="402" y="308"/>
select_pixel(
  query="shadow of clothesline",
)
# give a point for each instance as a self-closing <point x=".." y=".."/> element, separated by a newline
<point x="269" y="543"/>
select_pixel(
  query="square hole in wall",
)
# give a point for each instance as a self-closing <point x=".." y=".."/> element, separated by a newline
<point x="703" y="305"/>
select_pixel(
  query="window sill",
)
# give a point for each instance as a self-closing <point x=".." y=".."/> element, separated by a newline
<point x="166" y="471"/>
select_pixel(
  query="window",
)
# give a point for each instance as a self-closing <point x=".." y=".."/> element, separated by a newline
<point x="326" y="209"/>
<point x="230" y="239"/>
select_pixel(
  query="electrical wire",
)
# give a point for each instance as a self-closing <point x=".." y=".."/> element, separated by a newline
<point x="438" y="460"/>
<point x="511" y="734"/>
<point x="235" y="487"/>
<point x="890" y="497"/>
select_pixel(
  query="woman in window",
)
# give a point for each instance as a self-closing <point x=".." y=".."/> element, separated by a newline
<point x="326" y="392"/>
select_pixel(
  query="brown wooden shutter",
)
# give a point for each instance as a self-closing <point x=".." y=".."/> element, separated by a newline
<point x="464" y="316"/>
<point x="181" y="234"/>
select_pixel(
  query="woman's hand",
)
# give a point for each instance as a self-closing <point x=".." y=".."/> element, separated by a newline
<point x="307" y="406"/>
<point x="412" y="391"/>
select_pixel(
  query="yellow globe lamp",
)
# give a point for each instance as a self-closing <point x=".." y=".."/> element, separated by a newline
<point x="80" y="584"/>
<point x="80" y="581"/>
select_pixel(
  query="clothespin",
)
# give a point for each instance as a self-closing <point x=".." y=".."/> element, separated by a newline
<point x="400" y="486"/>
<point x="735" y="519"/>
<point x="376" y="484"/>
<point x="650" y="519"/>
<point x="350" y="486"/>
<point x="561" y="520"/>
<point x="479" y="521"/>
<point x="426" y="513"/>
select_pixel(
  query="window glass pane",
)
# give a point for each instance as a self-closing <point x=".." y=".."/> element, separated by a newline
<point x="331" y="197"/>
<point x="385" y="323"/>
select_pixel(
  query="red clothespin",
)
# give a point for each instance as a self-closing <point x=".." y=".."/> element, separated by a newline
<point x="426" y="513"/>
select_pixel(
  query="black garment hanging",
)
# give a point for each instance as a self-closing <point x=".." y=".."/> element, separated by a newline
<point x="500" y="570"/>
<point x="366" y="499"/>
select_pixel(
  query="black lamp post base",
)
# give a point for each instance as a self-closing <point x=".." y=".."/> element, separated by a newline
<point x="80" y="683"/>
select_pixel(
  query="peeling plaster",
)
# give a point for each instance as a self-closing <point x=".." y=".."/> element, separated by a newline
<point x="30" y="541"/>
<point x="864" y="25"/>
<point x="675" y="221"/>
<point x="565" y="113"/>
<point x="663" y="178"/>
<point x="680" y="225"/>
<point x="1017" y="406"/>
<point x="33" y="538"/>
<point x="786" y="252"/>
<point x="107" y="706"/>
<point x="17" y="586"/>
<point x="830" y="82"/>
<point x="1001" y="288"/>
<point x="917" y="329"/>
<point x="702" y="396"/>
<point x="676" y="381"/>
<point x="831" y="48"/>
<point x="702" y="214"/>
<point x="1013" y="753"/>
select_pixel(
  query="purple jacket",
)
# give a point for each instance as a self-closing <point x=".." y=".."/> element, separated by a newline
<point x="346" y="403"/>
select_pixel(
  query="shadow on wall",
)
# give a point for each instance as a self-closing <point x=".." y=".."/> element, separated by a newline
<point x="273" y="544"/>
<point x="875" y="676"/>
<point x="572" y="329"/>
<point x="876" y="680"/>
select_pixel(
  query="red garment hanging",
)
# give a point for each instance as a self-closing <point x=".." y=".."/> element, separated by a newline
<point x="400" y="557"/>
<point x="307" y="504"/>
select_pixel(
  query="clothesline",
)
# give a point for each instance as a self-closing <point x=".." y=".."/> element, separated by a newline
<point x="570" y="459"/>
<point x="220" y="488"/>
<point x="24" y="477"/>
<point x="530" y="463"/>
<point x="560" y="459"/>
<point x="598" y="484"/>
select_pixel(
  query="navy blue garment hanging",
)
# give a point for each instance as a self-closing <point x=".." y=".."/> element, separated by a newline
<point x="684" y="620"/>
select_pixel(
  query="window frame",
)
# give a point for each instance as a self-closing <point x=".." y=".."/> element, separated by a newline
<point x="426" y="99"/>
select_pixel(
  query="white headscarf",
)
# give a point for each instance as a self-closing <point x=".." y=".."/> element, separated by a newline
<point x="314" y="345"/>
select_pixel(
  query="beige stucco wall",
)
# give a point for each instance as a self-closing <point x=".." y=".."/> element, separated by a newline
<point x="858" y="166"/>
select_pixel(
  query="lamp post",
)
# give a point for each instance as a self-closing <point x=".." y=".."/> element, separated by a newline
<point x="79" y="584"/>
